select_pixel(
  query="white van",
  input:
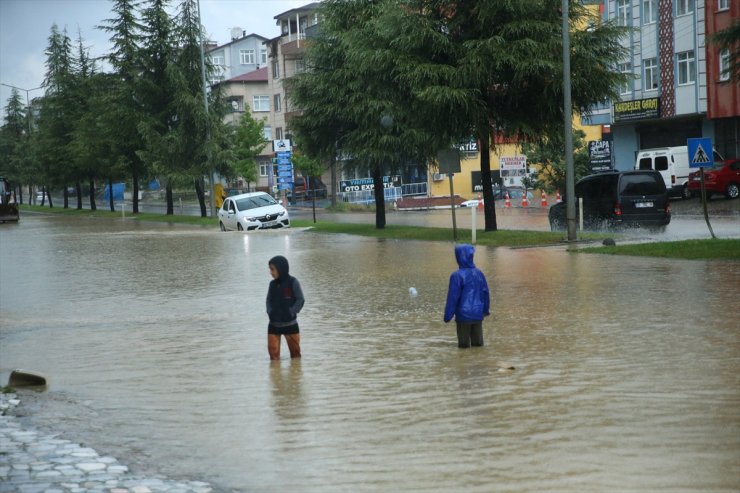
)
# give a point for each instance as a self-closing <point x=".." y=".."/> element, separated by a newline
<point x="673" y="164"/>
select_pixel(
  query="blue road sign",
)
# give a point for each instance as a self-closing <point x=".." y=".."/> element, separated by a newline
<point x="286" y="155"/>
<point x="285" y="186"/>
<point x="284" y="174"/>
<point x="700" y="152"/>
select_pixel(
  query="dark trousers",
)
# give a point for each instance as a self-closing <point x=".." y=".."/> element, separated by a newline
<point x="469" y="333"/>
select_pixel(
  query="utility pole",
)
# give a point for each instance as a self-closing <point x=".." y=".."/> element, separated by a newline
<point x="212" y="198"/>
<point x="570" y="210"/>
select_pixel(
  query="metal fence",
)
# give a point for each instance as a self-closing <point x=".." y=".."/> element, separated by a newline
<point x="414" y="189"/>
<point x="368" y="196"/>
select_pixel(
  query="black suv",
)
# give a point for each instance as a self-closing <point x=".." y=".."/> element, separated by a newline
<point x="615" y="199"/>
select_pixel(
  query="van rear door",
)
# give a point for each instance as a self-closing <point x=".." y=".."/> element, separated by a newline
<point x="643" y="198"/>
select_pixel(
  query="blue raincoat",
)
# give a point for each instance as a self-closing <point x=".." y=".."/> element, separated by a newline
<point x="468" y="298"/>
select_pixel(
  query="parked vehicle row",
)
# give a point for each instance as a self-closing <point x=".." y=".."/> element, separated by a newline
<point x="673" y="165"/>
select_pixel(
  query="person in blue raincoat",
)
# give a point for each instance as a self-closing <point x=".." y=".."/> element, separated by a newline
<point x="468" y="298"/>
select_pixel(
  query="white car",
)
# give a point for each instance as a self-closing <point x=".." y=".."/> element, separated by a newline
<point x="250" y="211"/>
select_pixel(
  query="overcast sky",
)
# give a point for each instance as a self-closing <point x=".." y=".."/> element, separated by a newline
<point x="25" y="26"/>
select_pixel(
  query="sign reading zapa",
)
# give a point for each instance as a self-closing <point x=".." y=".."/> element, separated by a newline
<point x="639" y="109"/>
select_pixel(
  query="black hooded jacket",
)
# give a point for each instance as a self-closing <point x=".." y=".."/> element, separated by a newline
<point x="284" y="296"/>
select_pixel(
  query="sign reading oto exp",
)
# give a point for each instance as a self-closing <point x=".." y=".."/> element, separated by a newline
<point x="639" y="109"/>
<point x="360" y="184"/>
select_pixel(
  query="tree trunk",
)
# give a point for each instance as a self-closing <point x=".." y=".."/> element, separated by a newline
<point x="93" y="207"/>
<point x="30" y="194"/>
<point x="20" y="194"/>
<point x="135" y="179"/>
<point x="313" y="198"/>
<point x="334" y="180"/>
<point x="79" y="195"/>
<point x="201" y="197"/>
<point x="168" y="198"/>
<point x="379" y="197"/>
<point x="110" y="195"/>
<point x="47" y="194"/>
<point x="489" y="208"/>
<point x="66" y="198"/>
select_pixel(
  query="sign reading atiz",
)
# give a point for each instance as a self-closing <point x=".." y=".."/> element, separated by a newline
<point x="361" y="184"/>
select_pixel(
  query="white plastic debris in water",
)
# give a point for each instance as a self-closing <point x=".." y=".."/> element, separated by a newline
<point x="412" y="291"/>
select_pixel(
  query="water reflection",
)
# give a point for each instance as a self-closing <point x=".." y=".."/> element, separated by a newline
<point x="627" y="379"/>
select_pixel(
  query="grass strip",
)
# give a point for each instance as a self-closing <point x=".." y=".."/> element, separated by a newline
<point x="107" y="214"/>
<point x="502" y="238"/>
<point x="725" y="249"/>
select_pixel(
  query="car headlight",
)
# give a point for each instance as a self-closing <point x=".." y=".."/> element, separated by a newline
<point x="281" y="213"/>
<point x="250" y="219"/>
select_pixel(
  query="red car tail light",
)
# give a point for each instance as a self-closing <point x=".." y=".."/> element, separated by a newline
<point x="618" y="209"/>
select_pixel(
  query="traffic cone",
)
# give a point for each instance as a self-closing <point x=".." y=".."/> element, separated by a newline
<point x="480" y="202"/>
<point x="543" y="200"/>
<point x="525" y="201"/>
<point x="507" y="200"/>
<point x="557" y="198"/>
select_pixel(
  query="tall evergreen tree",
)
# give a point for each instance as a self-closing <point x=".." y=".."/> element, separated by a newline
<point x="11" y="136"/>
<point x="125" y="30"/>
<point x="190" y="133"/>
<point x="57" y="112"/>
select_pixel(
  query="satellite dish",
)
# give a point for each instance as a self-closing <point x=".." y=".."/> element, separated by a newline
<point x="236" y="33"/>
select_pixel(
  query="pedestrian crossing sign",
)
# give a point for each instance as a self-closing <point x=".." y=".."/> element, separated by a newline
<point x="700" y="152"/>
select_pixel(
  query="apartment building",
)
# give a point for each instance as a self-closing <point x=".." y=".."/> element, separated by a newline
<point x="667" y="99"/>
<point x="243" y="54"/>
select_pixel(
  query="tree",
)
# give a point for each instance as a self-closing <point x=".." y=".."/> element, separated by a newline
<point x="250" y="140"/>
<point x="126" y="108"/>
<point x="57" y="111"/>
<point x="549" y="155"/>
<point x="729" y="39"/>
<point x="354" y="100"/>
<point x="12" y="136"/>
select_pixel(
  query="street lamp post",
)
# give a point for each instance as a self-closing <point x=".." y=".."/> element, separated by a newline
<point x="28" y="103"/>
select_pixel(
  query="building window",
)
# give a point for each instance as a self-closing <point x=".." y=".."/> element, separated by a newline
<point x="267" y="132"/>
<point x="650" y="79"/>
<point x="686" y="68"/>
<point x="246" y="57"/>
<point x="264" y="169"/>
<point x="278" y="133"/>
<point x="684" y="7"/>
<point x="723" y="5"/>
<point x="276" y="102"/>
<point x="260" y="103"/>
<point x="263" y="57"/>
<point x="649" y="11"/>
<point x="623" y="12"/>
<point x="276" y="69"/>
<point x="218" y="60"/>
<point x="724" y="65"/>
<point x="626" y="68"/>
<point x="300" y="66"/>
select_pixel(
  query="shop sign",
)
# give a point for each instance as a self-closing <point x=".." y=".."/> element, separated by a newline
<point x="639" y="109"/>
<point x="600" y="155"/>
<point x="361" y="184"/>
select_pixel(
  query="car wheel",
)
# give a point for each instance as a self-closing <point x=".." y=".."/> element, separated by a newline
<point x="239" y="227"/>
<point x="686" y="192"/>
<point x="221" y="225"/>
<point x="732" y="191"/>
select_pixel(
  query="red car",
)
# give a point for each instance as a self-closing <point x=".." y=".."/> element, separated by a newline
<point x="722" y="178"/>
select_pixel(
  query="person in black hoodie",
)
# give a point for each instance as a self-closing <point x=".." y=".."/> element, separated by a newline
<point x="284" y="301"/>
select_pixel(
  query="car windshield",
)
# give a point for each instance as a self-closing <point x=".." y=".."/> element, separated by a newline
<point x="255" y="201"/>
<point x="639" y="185"/>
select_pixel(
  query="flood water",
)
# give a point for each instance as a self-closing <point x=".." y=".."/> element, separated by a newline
<point x="154" y="338"/>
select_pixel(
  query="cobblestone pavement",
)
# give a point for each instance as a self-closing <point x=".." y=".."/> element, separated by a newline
<point x="31" y="462"/>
